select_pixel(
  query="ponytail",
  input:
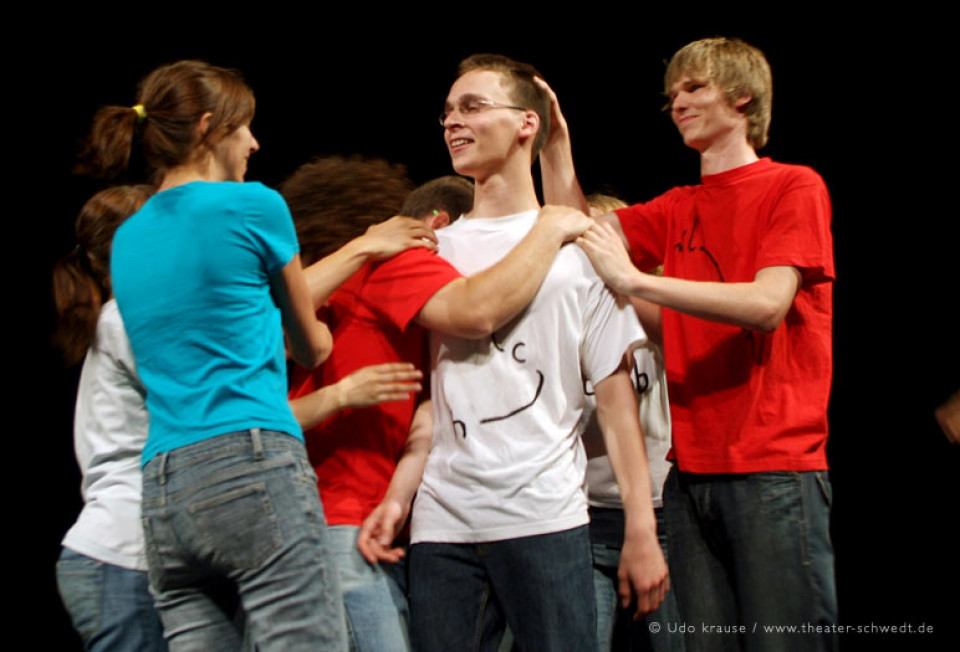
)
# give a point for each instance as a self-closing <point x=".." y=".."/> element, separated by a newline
<point x="107" y="150"/>
<point x="81" y="279"/>
<point x="171" y="100"/>
<point x="78" y="297"/>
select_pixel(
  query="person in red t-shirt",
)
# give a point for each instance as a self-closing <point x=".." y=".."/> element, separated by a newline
<point x="747" y="316"/>
<point x="380" y="315"/>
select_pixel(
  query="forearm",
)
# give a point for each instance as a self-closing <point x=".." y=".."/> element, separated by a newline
<point x="559" y="176"/>
<point x="651" y="318"/>
<point x="617" y="415"/>
<point x="406" y="477"/>
<point x="758" y="305"/>
<point x="316" y="407"/>
<point x="560" y="184"/>
<point x="330" y="272"/>
<point x="477" y="306"/>
<point x="310" y="340"/>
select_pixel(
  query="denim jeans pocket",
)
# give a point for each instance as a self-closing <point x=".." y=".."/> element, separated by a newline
<point x="240" y="525"/>
<point x="823" y="481"/>
<point x="80" y="581"/>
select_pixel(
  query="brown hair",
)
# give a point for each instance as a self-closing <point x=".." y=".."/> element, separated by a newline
<point x="736" y="68"/>
<point x="81" y="279"/>
<point x="449" y="193"/>
<point x="170" y="102"/>
<point x="334" y="199"/>
<point x="520" y="84"/>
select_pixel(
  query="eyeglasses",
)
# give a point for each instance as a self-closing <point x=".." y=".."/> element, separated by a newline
<point x="472" y="106"/>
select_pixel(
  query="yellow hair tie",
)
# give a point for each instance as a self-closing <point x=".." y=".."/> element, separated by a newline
<point x="140" y="111"/>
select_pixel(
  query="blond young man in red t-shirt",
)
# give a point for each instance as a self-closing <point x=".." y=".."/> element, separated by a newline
<point x="747" y="310"/>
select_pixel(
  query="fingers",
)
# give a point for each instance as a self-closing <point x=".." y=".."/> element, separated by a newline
<point x="396" y="371"/>
<point x="399" y="233"/>
<point x="396" y="381"/>
<point x="646" y="600"/>
<point x="373" y="542"/>
<point x="542" y="83"/>
<point x="554" y="102"/>
<point x="377" y="534"/>
<point x="367" y="544"/>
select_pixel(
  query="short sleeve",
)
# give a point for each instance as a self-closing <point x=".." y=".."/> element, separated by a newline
<point x="611" y="328"/>
<point x="798" y="230"/>
<point x="646" y="228"/>
<point x="398" y="288"/>
<point x="270" y="226"/>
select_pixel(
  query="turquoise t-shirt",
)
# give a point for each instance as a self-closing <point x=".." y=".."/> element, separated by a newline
<point x="191" y="274"/>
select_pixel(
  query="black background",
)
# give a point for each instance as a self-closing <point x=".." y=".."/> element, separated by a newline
<point x="860" y="101"/>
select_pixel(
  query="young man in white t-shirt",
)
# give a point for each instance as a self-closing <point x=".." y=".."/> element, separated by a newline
<point x="499" y="526"/>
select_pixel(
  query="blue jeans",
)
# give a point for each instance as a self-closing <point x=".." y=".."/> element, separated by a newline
<point x="376" y="606"/>
<point x="238" y="516"/>
<point x="616" y="628"/>
<point x="110" y="606"/>
<point x="752" y="551"/>
<point x="463" y="595"/>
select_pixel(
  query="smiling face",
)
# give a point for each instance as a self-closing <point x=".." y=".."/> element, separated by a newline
<point x="481" y="141"/>
<point x="231" y="152"/>
<point x="704" y="116"/>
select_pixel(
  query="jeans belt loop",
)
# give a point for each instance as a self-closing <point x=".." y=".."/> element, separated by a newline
<point x="257" y="444"/>
<point x="162" y="470"/>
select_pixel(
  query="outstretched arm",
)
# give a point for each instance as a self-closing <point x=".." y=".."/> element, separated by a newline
<point x="476" y="306"/>
<point x="560" y="184"/>
<point x="760" y="304"/>
<point x="384" y="523"/>
<point x="643" y="571"/>
<point x="379" y="383"/>
<point x="380" y="241"/>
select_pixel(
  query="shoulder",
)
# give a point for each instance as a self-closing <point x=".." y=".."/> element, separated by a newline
<point x="415" y="258"/>
<point x="796" y="176"/>
<point x="256" y="196"/>
<point x="111" y="334"/>
<point x="660" y="204"/>
<point x="109" y="317"/>
<point x="252" y="196"/>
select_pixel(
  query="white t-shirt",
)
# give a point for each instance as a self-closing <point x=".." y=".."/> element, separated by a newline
<point x="650" y="381"/>
<point x="507" y="460"/>
<point x="109" y="430"/>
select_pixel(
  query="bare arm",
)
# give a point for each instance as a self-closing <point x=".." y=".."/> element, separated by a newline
<point x="379" y="383"/>
<point x="760" y="304"/>
<point x="643" y="570"/>
<point x="310" y="340"/>
<point x="651" y="318"/>
<point x="560" y="184"/>
<point x="380" y="241"/>
<point x="384" y="523"/>
<point x="476" y="306"/>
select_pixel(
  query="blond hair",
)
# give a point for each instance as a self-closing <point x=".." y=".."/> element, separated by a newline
<point x="738" y="69"/>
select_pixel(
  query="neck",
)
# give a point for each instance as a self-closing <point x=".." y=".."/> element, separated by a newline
<point x="726" y="155"/>
<point x="505" y="192"/>
<point x="202" y="170"/>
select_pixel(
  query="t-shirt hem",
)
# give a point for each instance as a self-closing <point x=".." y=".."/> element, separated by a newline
<point x="445" y="535"/>
<point x="277" y="426"/>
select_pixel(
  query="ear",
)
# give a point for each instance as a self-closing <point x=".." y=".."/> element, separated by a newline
<point x="742" y="102"/>
<point x="203" y="125"/>
<point x="437" y="220"/>
<point x="529" y="126"/>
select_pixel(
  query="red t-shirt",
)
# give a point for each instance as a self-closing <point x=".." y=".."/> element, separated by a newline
<point x="355" y="451"/>
<point x="744" y="401"/>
